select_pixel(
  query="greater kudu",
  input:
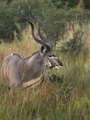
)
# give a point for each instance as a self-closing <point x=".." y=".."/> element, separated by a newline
<point x="18" y="71"/>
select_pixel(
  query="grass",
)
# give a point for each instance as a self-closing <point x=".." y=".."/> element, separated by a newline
<point x="65" y="94"/>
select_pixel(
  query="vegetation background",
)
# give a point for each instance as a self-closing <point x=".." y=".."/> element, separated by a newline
<point x="65" y="94"/>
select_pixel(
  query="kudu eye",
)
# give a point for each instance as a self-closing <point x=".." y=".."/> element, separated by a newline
<point x="50" y="55"/>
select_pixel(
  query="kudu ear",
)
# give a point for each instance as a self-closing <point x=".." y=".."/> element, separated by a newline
<point x="43" y="49"/>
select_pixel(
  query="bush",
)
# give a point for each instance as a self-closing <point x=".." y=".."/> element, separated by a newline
<point x="87" y="4"/>
<point x="75" y="46"/>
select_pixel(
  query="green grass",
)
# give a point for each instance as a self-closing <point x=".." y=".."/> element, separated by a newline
<point x="65" y="94"/>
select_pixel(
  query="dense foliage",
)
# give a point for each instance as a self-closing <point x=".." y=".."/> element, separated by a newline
<point x="52" y="13"/>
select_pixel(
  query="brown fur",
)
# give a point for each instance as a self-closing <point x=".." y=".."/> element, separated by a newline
<point x="17" y="70"/>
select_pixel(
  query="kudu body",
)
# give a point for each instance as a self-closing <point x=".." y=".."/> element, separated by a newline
<point x="18" y="71"/>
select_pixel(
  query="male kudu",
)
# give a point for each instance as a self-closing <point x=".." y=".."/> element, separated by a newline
<point x="18" y="71"/>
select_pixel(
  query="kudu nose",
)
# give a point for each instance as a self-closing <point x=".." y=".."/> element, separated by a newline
<point x="55" y="62"/>
<point x="60" y="64"/>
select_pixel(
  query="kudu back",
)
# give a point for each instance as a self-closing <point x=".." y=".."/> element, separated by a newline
<point x="18" y="71"/>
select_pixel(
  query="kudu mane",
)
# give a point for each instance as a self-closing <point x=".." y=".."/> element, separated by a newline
<point x="31" y="55"/>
